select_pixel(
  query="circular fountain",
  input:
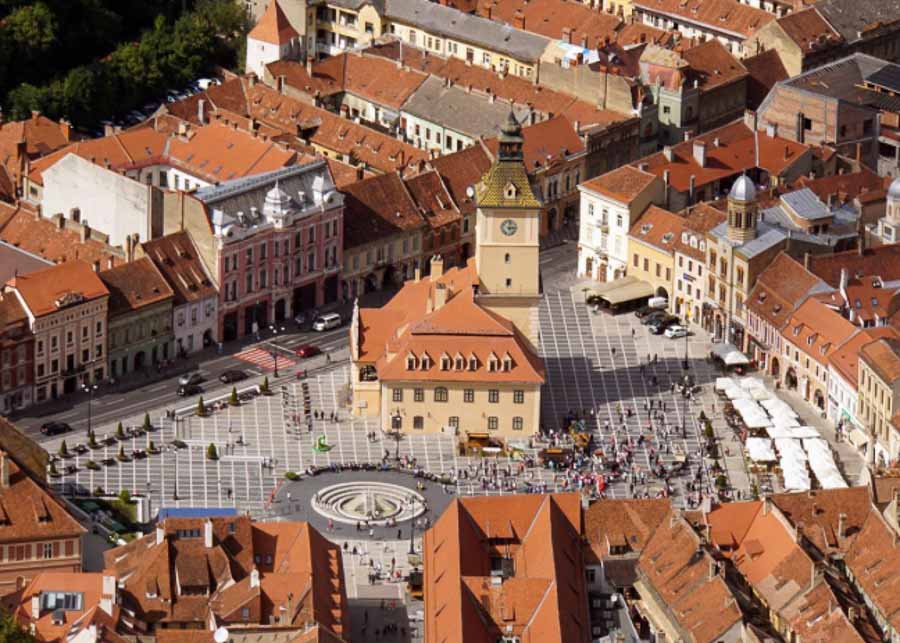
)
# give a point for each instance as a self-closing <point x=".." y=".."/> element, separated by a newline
<point x="375" y="503"/>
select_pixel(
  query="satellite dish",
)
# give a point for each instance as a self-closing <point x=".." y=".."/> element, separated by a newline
<point x="470" y="192"/>
<point x="220" y="635"/>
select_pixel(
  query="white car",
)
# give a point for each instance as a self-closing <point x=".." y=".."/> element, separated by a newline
<point x="674" y="332"/>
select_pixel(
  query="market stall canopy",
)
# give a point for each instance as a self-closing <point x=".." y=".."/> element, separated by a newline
<point x="821" y="461"/>
<point x="760" y="450"/>
<point x="729" y="354"/>
<point x="626" y="293"/>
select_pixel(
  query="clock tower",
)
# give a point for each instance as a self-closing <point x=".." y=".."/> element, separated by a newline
<point x="507" y="237"/>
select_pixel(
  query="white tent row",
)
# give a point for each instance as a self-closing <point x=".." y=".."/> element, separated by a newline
<point x="760" y="450"/>
<point x="776" y="406"/>
<point x="752" y="414"/>
<point x="751" y="383"/>
<point x="821" y="461"/>
<point x="792" y="459"/>
<point x="724" y="383"/>
<point x="735" y="392"/>
<point x="784" y="421"/>
<point x="796" y="432"/>
<point x="729" y="354"/>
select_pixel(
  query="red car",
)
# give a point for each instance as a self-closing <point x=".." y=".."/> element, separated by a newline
<point x="308" y="350"/>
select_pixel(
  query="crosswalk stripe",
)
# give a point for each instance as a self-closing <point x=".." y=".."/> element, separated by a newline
<point x="263" y="359"/>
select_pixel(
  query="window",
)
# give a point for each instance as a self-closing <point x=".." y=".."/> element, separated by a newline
<point x="492" y="423"/>
<point x="509" y="283"/>
<point x="646" y="265"/>
<point x="418" y="395"/>
<point x="493" y="396"/>
<point x="519" y="397"/>
<point x="68" y="601"/>
<point x="249" y="283"/>
<point x="418" y="422"/>
<point x="410" y="362"/>
<point x="245" y="613"/>
<point x="506" y="258"/>
<point x="517" y="423"/>
<point x="397" y="395"/>
<point x="458" y="363"/>
<point x="469" y="395"/>
<point x="635" y="260"/>
<point x="440" y="394"/>
<point x="453" y="421"/>
<point x="486" y="59"/>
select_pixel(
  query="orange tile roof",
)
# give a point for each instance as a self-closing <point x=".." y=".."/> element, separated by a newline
<point x="571" y="21"/>
<point x="407" y="326"/>
<point x="698" y="220"/>
<point x="176" y="257"/>
<point x="21" y="227"/>
<point x="728" y="16"/>
<point x="881" y="261"/>
<point x="546" y="143"/>
<point x="627" y="523"/>
<point x="764" y="69"/>
<point x="461" y="170"/>
<point x="712" y="65"/>
<point x="432" y="199"/>
<point x="44" y="289"/>
<point x="378" y="207"/>
<point x="845" y="360"/>
<point x="636" y="32"/>
<point x="677" y="566"/>
<point x="843" y="186"/>
<point x="624" y="184"/>
<point x="273" y="26"/>
<point x="30" y="512"/>
<point x="809" y="30"/>
<point x="775" y="296"/>
<point x="817" y="330"/>
<point x="874" y="561"/>
<point x="544" y="599"/>
<point x="734" y="154"/>
<point x="135" y="285"/>
<point x="816" y="514"/>
<point x="40" y="136"/>
<point x="90" y="585"/>
<point x="371" y="77"/>
<point x="659" y="228"/>
<point x="883" y="356"/>
<point x="730" y="521"/>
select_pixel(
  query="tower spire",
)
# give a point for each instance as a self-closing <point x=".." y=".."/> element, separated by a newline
<point x="510" y="148"/>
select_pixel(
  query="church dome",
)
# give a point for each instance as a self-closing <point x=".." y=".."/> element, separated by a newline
<point x="894" y="190"/>
<point x="743" y="190"/>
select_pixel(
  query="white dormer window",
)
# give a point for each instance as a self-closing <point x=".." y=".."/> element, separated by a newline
<point x="702" y="246"/>
<point x="410" y="362"/>
<point x="458" y="362"/>
<point x="684" y="238"/>
<point x="445" y="362"/>
<point x="493" y="363"/>
<point x="511" y="191"/>
<point x="473" y="363"/>
<point x="507" y="363"/>
<point x="693" y="242"/>
<point x="426" y="362"/>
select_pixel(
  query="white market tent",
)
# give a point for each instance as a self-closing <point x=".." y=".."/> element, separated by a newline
<point x="804" y="432"/>
<point x="735" y="392"/>
<point x="752" y="414"/>
<point x="729" y="354"/>
<point x="760" y="450"/>
<point x="784" y="422"/>
<point x="724" y="383"/>
<point x="792" y="459"/>
<point x="751" y="383"/>
<point x="776" y="406"/>
<point x="822" y="464"/>
<point x="776" y="431"/>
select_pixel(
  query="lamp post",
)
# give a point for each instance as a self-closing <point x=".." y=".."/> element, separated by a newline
<point x="684" y="364"/>
<point x="412" y="524"/>
<point x="90" y="389"/>
<point x="149" y="503"/>
<point x="274" y="351"/>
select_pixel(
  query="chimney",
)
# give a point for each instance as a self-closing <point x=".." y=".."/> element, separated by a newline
<point x="4" y="470"/>
<point x="35" y="607"/>
<point x="279" y="83"/>
<point x="440" y="295"/>
<point x="700" y="153"/>
<point x="251" y="79"/>
<point x="254" y="577"/>
<point x="765" y="506"/>
<point x="806" y="257"/>
<point x="360" y="173"/>
<point x="208" y="533"/>
<point x="519" y="19"/>
<point x="60" y="221"/>
<point x="691" y="188"/>
<point x="713" y="568"/>
<point x="667" y="153"/>
<point x="35" y="115"/>
<point x="418" y="274"/>
<point x="567" y="34"/>
<point x="437" y="267"/>
<point x="66" y="128"/>
<point x="842" y="527"/>
<point x="771" y="130"/>
<point x="160" y="535"/>
<point x="201" y="111"/>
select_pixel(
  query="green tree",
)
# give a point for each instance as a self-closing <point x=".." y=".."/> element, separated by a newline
<point x="120" y="431"/>
<point x="121" y="452"/>
<point x="63" y="449"/>
<point x="201" y="410"/>
<point x="92" y="439"/>
<point x="233" y="399"/>
<point x="147" y="425"/>
<point x="265" y="385"/>
<point x="211" y="452"/>
<point x="33" y="28"/>
<point x="12" y="632"/>
<point x="125" y="497"/>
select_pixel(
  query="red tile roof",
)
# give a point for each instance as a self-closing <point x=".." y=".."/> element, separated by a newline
<point x="719" y="15"/>
<point x="135" y="285"/>
<point x="89" y="585"/>
<point x="883" y="356"/>
<point x="371" y="77"/>
<point x="843" y="186"/>
<point x="39" y="135"/>
<point x="765" y="70"/>
<point x="817" y="330"/>
<point x="462" y="170"/>
<point x="44" y="290"/>
<point x="698" y="220"/>
<point x="624" y="184"/>
<point x="779" y="289"/>
<point x="376" y="208"/>
<point x="817" y="515"/>
<point x="809" y="30"/>
<point x="176" y="257"/>
<point x="845" y="360"/>
<point x="546" y="143"/>
<point x="573" y="22"/>
<point x="882" y="261"/>
<point x="625" y="524"/>
<point x="874" y="562"/>
<point x="273" y="26"/>
<point x="712" y="65"/>
<point x="544" y="599"/>
<point x="658" y="228"/>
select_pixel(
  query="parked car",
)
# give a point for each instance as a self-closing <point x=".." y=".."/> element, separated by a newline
<point x="660" y="303"/>
<point x="190" y="378"/>
<point x="649" y="318"/>
<point x="327" y="322"/>
<point x="660" y="324"/>
<point x="186" y="390"/>
<point x="308" y="350"/>
<point x="231" y="376"/>
<point x="300" y="319"/>
<point x="643" y="311"/>
<point x="676" y="331"/>
<point x="55" y="428"/>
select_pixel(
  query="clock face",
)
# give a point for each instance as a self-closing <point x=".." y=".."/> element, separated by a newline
<point x="509" y="227"/>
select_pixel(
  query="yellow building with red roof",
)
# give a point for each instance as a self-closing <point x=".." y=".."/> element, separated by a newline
<point x="455" y="351"/>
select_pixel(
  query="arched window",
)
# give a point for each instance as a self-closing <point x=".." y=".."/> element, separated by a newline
<point x="440" y="394"/>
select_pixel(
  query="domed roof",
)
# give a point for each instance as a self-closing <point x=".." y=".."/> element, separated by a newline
<point x="743" y="189"/>
<point x="894" y="189"/>
<point x="277" y="201"/>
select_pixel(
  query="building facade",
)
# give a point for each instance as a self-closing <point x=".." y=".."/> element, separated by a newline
<point x="879" y="396"/>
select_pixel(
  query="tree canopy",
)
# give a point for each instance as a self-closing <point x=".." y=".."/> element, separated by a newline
<point x="89" y="60"/>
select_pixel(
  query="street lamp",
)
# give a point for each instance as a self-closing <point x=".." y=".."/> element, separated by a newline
<point x="90" y="389"/>
<point x="684" y="364"/>
<point x="274" y="351"/>
<point x="149" y="503"/>
<point x="412" y="524"/>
